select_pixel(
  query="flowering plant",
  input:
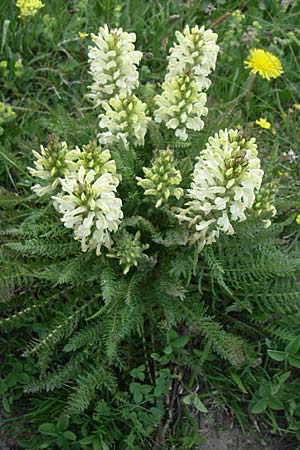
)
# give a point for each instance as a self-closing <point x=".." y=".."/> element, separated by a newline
<point x="146" y="248"/>
<point x="86" y="185"/>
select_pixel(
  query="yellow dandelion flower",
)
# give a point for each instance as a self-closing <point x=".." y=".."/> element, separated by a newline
<point x="298" y="219"/>
<point x="264" y="63"/>
<point x="82" y="34"/>
<point x="29" y="7"/>
<point x="263" y="123"/>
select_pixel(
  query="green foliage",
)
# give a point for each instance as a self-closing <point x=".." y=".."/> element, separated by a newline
<point x="132" y="360"/>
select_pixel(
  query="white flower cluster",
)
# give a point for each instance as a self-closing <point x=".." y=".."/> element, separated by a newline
<point x="124" y="121"/>
<point x="52" y="163"/>
<point x="181" y="105"/>
<point x="226" y="178"/>
<point x="90" y="207"/>
<point x="85" y="181"/>
<point x="196" y="53"/>
<point x="182" y="102"/>
<point x="113" y="64"/>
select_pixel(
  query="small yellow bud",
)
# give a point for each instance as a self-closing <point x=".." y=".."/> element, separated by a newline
<point x="82" y="34"/>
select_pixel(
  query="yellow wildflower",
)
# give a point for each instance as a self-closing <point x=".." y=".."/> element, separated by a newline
<point x="239" y="126"/>
<point x="29" y="7"/>
<point x="297" y="106"/>
<point x="263" y="123"/>
<point x="82" y="34"/>
<point x="264" y="63"/>
<point x="298" y="219"/>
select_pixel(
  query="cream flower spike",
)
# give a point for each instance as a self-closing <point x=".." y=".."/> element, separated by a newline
<point x="226" y="178"/>
<point x="196" y="53"/>
<point x="113" y="63"/>
<point x="181" y="105"/>
<point x="90" y="207"/>
<point x="124" y="121"/>
<point x="51" y="164"/>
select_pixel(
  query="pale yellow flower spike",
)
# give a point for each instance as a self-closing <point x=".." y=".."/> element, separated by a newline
<point x="263" y="123"/>
<point x="264" y="63"/>
<point x="29" y="7"/>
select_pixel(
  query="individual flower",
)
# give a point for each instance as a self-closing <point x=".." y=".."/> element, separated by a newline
<point x="90" y="207"/>
<point x="292" y="156"/>
<point x="29" y="7"/>
<point x="129" y="250"/>
<point x="82" y="34"/>
<point x="226" y="177"/>
<point x="52" y="163"/>
<point x="93" y="156"/>
<point x="162" y="179"/>
<point x="264" y="63"/>
<point x="181" y="105"/>
<point x="196" y="53"/>
<point x="113" y="64"/>
<point x="263" y="123"/>
<point x="124" y="121"/>
<point x="298" y="219"/>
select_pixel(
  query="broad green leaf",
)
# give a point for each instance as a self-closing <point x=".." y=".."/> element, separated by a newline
<point x="275" y="403"/>
<point x="168" y="350"/>
<point x="180" y="342"/>
<point x="193" y="399"/>
<point x="199" y="405"/>
<point x="293" y="347"/>
<point x="48" y="428"/>
<point x="69" y="435"/>
<point x="265" y="389"/>
<point x="259" y="407"/>
<point x="283" y="377"/>
<point x="63" y="423"/>
<point x="294" y="361"/>
<point x="277" y="355"/>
